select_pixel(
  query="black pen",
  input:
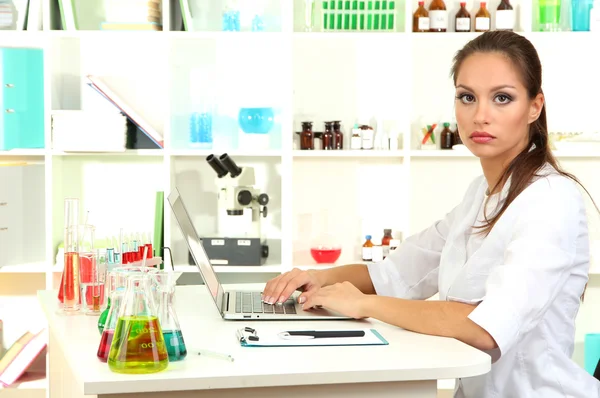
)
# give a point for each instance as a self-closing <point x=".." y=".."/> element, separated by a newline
<point x="316" y="334"/>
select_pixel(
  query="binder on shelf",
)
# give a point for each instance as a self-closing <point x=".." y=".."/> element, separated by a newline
<point x="97" y="84"/>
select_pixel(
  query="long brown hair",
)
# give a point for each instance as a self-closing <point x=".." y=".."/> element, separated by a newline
<point x="526" y="165"/>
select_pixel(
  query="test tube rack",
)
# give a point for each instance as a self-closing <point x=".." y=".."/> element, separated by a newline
<point x="358" y="15"/>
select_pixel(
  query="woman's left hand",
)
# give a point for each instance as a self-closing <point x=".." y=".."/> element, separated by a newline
<point x="344" y="298"/>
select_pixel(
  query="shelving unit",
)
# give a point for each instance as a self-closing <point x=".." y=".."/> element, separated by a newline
<point x="399" y="77"/>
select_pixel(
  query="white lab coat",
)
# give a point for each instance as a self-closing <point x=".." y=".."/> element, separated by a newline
<point x="526" y="276"/>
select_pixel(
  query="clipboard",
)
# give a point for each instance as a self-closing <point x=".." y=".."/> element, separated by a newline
<point x="249" y="337"/>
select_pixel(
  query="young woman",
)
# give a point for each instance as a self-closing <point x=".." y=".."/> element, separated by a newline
<point x="510" y="263"/>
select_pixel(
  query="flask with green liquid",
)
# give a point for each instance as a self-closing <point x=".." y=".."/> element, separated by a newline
<point x="138" y="344"/>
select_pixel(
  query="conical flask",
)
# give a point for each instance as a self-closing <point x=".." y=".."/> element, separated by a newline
<point x="138" y="344"/>
<point x="108" y="331"/>
<point x="166" y="315"/>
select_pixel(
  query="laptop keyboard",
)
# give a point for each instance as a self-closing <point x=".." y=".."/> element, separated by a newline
<point x="250" y="303"/>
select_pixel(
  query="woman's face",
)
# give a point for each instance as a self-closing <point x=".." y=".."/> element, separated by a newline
<point x="493" y="109"/>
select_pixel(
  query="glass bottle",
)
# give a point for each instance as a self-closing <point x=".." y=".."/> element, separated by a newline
<point x="446" y="137"/>
<point x="356" y="139"/>
<point x="421" y="19"/>
<point x="328" y="136"/>
<point x="549" y="15"/>
<point x="482" y="18"/>
<point x="367" y="249"/>
<point x="338" y="136"/>
<point x="306" y="136"/>
<point x="167" y="316"/>
<point x="505" y="16"/>
<point x="385" y="242"/>
<point x="457" y="139"/>
<point x="463" y="19"/>
<point x="69" y="293"/>
<point x="438" y="16"/>
<point x="138" y="345"/>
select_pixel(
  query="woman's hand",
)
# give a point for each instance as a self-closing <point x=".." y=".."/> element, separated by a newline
<point x="279" y="289"/>
<point x="344" y="298"/>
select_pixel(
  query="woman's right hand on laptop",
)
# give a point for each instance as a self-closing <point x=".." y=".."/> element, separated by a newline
<point x="280" y="288"/>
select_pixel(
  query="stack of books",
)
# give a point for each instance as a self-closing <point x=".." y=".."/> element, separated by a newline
<point x="133" y="15"/>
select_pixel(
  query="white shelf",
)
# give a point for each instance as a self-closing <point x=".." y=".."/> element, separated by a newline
<point x="24" y="268"/>
<point x="232" y="269"/>
<point x="206" y="152"/>
<point x="23" y="152"/>
<point x="441" y="153"/>
<point x="129" y="152"/>
<point x="346" y="153"/>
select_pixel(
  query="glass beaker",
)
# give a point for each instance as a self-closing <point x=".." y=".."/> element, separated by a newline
<point x="138" y="344"/>
<point x="549" y="14"/>
<point x="165" y="285"/>
<point x="93" y="291"/>
<point x="69" y="290"/>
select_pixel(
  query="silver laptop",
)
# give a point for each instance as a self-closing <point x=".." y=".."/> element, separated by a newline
<point x="238" y="305"/>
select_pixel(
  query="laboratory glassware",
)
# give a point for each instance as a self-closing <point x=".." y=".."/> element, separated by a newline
<point x="138" y="344"/>
<point x="69" y="291"/>
<point x="167" y="316"/>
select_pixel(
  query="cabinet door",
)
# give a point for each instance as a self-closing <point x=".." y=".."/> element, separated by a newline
<point x="23" y="98"/>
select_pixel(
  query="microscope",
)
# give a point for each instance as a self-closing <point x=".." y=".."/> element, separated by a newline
<point x="243" y="244"/>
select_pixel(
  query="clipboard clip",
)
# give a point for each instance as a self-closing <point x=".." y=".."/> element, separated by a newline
<point x="246" y="334"/>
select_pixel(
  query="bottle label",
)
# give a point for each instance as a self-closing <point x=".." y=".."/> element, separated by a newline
<point x="355" y="142"/>
<point x="505" y="19"/>
<point x="423" y="23"/>
<point x="438" y="19"/>
<point x="367" y="253"/>
<point x="386" y="251"/>
<point x="463" y="24"/>
<point x="482" y="23"/>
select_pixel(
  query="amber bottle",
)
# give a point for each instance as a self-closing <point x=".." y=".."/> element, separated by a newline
<point x="328" y="136"/>
<point x="385" y="242"/>
<point x="438" y="16"/>
<point x="463" y="19"/>
<point x="505" y="16"/>
<point x="338" y="136"/>
<point x="482" y="18"/>
<point x="306" y="137"/>
<point x="446" y="137"/>
<point x="421" y="19"/>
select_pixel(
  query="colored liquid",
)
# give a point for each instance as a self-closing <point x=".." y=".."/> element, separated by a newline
<point x="69" y="293"/>
<point x="103" y="317"/>
<point x="175" y="345"/>
<point x="105" y="342"/>
<point x="325" y="255"/>
<point x="138" y="346"/>
<point x="94" y="295"/>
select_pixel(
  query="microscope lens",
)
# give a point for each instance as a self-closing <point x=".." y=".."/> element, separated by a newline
<point x="217" y="166"/>
<point x="234" y="170"/>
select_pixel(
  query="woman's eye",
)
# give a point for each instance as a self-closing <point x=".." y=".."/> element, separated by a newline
<point x="503" y="99"/>
<point x="466" y="98"/>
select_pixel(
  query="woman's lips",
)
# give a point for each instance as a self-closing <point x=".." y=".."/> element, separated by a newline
<point x="481" y="137"/>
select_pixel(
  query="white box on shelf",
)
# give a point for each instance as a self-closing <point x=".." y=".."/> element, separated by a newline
<point x="87" y="131"/>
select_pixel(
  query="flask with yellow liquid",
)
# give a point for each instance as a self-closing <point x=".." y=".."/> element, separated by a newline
<point x="138" y="344"/>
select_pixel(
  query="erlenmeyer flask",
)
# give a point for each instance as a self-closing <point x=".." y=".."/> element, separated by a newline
<point x="138" y="344"/>
<point x="108" y="331"/>
<point x="168" y="318"/>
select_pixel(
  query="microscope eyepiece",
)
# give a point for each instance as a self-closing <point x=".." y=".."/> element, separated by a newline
<point x="230" y="165"/>
<point x="217" y="166"/>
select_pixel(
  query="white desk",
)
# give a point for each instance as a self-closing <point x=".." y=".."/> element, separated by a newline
<point x="408" y="367"/>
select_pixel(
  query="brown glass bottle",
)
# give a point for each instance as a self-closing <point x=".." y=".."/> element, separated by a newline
<point x="385" y="242"/>
<point x="421" y="19"/>
<point x="328" y="136"/>
<point x="446" y="137"/>
<point x="338" y="136"/>
<point x="438" y="16"/>
<point x="462" y="19"/>
<point x="457" y="140"/>
<point x="306" y="137"/>
<point x="505" y="16"/>
<point x="482" y="18"/>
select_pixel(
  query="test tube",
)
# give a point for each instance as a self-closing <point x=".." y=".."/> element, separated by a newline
<point x="70" y="278"/>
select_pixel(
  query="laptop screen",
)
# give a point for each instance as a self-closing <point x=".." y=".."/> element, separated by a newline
<point x="195" y="245"/>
